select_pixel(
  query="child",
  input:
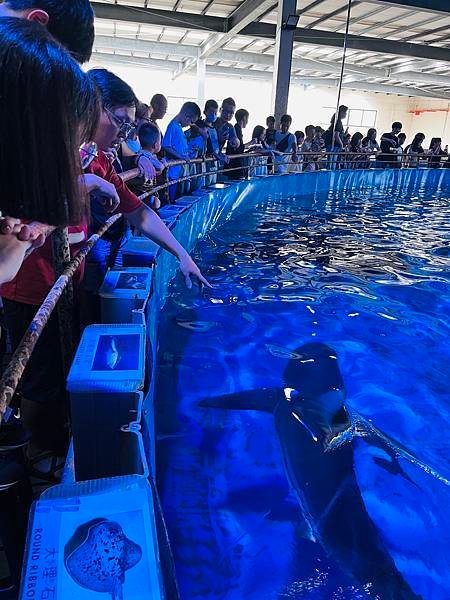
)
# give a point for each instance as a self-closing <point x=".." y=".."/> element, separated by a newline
<point x="176" y="145"/>
<point x="297" y="167"/>
<point x="400" y="150"/>
<point x="310" y="145"/>
<point x="150" y="141"/>
<point x="259" y="145"/>
<point x="286" y="145"/>
<point x="197" y="137"/>
<point x="270" y="131"/>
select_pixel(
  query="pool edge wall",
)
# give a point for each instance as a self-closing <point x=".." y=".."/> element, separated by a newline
<point x="215" y="207"/>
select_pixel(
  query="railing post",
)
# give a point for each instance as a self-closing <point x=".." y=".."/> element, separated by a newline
<point x="65" y="308"/>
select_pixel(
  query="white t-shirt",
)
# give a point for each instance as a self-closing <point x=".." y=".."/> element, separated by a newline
<point x="175" y="138"/>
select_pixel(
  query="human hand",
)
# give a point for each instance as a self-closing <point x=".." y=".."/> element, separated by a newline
<point x="19" y="241"/>
<point x="35" y="233"/>
<point x="146" y="167"/>
<point x="190" y="269"/>
<point x="105" y="191"/>
<point x="111" y="154"/>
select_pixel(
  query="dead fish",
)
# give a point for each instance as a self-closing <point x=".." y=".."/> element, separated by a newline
<point x="199" y="326"/>
<point x="280" y="352"/>
<point x="99" y="554"/>
<point x="112" y="355"/>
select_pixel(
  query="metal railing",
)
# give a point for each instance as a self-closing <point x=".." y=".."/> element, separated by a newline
<point x="66" y="268"/>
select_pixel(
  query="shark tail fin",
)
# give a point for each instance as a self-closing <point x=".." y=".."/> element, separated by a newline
<point x="264" y="400"/>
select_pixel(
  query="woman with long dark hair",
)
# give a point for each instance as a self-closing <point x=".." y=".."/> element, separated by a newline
<point x="436" y="153"/>
<point x="48" y="108"/>
<point x="370" y="145"/>
<point x="356" y="156"/>
<point x="415" y="150"/>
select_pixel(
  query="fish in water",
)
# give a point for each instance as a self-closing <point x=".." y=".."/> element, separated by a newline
<point x="316" y="432"/>
<point x="98" y="556"/>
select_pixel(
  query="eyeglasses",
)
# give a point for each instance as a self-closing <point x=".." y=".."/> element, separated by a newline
<point x="124" y="126"/>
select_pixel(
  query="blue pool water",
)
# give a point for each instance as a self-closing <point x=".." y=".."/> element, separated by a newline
<point x="368" y="275"/>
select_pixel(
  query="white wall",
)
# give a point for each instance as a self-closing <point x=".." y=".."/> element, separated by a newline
<point x="434" y="121"/>
<point x="306" y="105"/>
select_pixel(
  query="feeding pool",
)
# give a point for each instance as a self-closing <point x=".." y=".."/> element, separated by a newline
<point x="317" y="294"/>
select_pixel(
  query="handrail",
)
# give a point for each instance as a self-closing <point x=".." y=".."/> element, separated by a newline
<point x="354" y="158"/>
<point x="14" y="371"/>
<point x="18" y="362"/>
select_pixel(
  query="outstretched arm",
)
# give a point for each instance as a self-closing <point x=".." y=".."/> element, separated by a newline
<point x="148" y="222"/>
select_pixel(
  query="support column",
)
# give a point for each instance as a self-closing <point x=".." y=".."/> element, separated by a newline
<point x="283" y="58"/>
<point x="201" y="80"/>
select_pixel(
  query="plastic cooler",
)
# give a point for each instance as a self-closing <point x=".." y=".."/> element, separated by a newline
<point x="93" y="539"/>
<point x="139" y="252"/>
<point x="123" y="292"/>
<point x="105" y="384"/>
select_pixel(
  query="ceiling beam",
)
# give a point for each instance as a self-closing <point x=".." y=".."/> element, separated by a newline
<point x="164" y="18"/>
<point x="248" y="12"/>
<point x="266" y="60"/>
<point x="430" y="78"/>
<point x="102" y="58"/>
<point x="317" y="37"/>
<point x="435" y="6"/>
<point x="131" y="61"/>
<point x="161" y="18"/>
<point x="105" y="42"/>
<point x="120" y="44"/>
<point x="331" y="15"/>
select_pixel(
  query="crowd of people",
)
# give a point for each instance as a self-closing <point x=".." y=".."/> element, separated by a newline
<point x="68" y="137"/>
<point x="66" y="133"/>
<point x="220" y="142"/>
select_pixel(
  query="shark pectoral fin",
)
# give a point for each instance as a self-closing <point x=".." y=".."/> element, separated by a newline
<point x="393" y="467"/>
<point x="264" y="399"/>
<point x="375" y="437"/>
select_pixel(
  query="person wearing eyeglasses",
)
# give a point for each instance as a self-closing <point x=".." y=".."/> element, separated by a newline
<point x="116" y="121"/>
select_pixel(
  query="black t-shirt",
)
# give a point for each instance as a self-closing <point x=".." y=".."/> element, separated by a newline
<point x="328" y="135"/>
<point x="240" y="136"/>
<point x="389" y="143"/>
<point x="270" y="136"/>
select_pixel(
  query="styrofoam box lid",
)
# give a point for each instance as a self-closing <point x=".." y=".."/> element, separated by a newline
<point x="140" y="245"/>
<point x="127" y="283"/>
<point x="91" y="537"/>
<point x="109" y="358"/>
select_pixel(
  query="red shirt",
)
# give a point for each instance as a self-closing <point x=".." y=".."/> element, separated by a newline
<point x="36" y="276"/>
